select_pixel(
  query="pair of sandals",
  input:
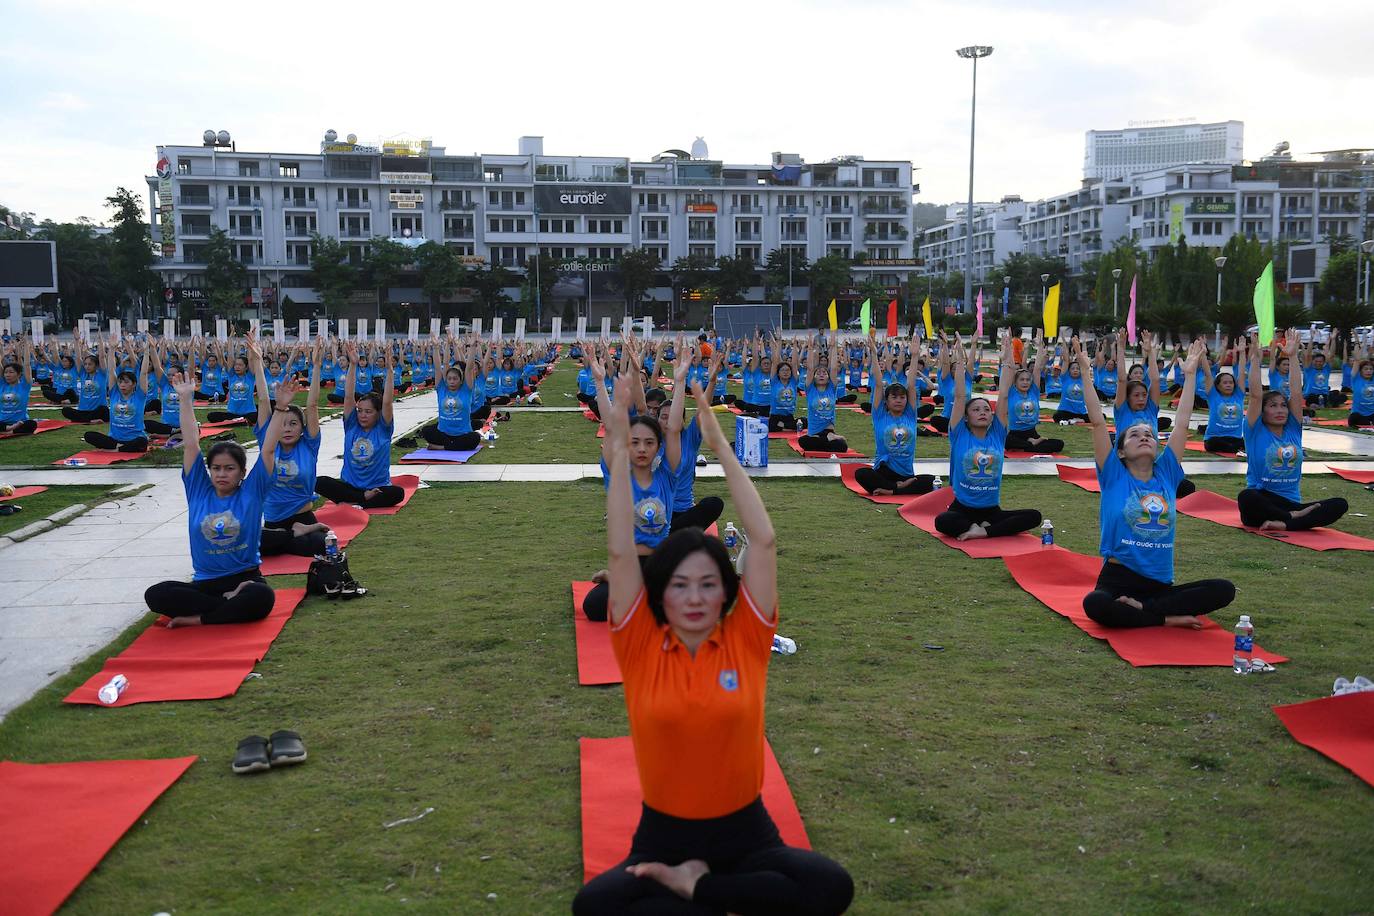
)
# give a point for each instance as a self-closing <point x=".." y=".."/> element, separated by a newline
<point x="348" y="588"/>
<point x="10" y="509"/>
<point x="256" y="753"/>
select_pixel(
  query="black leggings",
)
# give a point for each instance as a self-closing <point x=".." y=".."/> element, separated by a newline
<point x="335" y="490"/>
<point x="1326" y="399"/>
<point x="67" y="397"/>
<point x="1159" y="599"/>
<point x="850" y="398"/>
<point x="461" y="442"/>
<point x="101" y="413"/>
<point x="958" y="518"/>
<point x="205" y="599"/>
<point x="884" y="478"/>
<point x="1360" y="419"/>
<point x="213" y="397"/>
<point x="1020" y="440"/>
<point x="1260" y="506"/>
<point x="479" y="416"/>
<point x="1062" y="415"/>
<point x="224" y="416"/>
<point x="1228" y="444"/>
<point x="19" y="427"/>
<point x="277" y="537"/>
<point x="824" y="441"/>
<point x="752" y="871"/>
<point x="940" y="422"/>
<point x="706" y="511"/>
<point x="778" y="423"/>
<point x="158" y="428"/>
<point x="597" y="603"/>
<point x="100" y="440"/>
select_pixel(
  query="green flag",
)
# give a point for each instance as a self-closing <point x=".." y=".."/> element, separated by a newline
<point x="863" y="317"/>
<point x="1264" y="304"/>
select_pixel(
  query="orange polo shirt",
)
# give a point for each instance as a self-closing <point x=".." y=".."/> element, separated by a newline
<point x="697" y="723"/>
<point x="1018" y="349"/>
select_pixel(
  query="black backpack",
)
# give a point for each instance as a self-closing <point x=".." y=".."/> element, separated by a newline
<point x="332" y="579"/>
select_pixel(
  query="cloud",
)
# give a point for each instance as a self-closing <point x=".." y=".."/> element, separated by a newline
<point x="63" y="101"/>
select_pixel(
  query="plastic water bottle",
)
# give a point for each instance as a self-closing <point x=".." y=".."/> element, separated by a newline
<point x="731" y="538"/>
<point x="1245" y="645"/>
<point x="1047" y="533"/>
<point x="75" y="462"/>
<point x="111" y="692"/>
<point x="784" y="646"/>
<point x="331" y="547"/>
<point x="937" y="483"/>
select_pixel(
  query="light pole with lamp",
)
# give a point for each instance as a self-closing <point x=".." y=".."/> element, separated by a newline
<point x="1216" y="342"/>
<point x="1116" y="289"/>
<point x="1006" y="295"/>
<point x="1044" y="279"/>
<point x="972" y="52"/>
<point x="1367" y="247"/>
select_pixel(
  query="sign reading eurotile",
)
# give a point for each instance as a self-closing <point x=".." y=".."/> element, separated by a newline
<point x="409" y="178"/>
<point x="562" y="198"/>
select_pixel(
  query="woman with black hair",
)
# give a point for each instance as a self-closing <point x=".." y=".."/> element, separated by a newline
<point x="289" y="524"/>
<point x="453" y="430"/>
<point x="126" y="399"/>
<point x="368" y="425"/>
<point x="1023" y="406"/>
<point x="92" y="388"/>
<point x="696" y="678"/>
<point x="16" y="384"/>
<point x="894" y="434"/>
<point x="224" y="519"/>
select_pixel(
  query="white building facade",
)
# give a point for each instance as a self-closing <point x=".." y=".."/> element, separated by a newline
<point x="1119" y="154"/>
<point x="944" y="248"/>
<point x="1079" y="225"/>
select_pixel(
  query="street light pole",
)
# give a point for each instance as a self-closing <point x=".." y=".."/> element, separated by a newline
<point x="1367" y="248"/>
<point x="972" y="52"/>
<point x="1044" y="279"/>
<point x="1116" y="289"/>
<point x="1216" y="342"/>
<point x="1006" y="295"/>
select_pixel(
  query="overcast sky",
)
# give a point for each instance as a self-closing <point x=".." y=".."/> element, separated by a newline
<point x="91" y="87"/>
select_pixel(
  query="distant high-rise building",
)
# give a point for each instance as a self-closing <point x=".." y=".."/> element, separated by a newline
<point x="1114" y="155"/>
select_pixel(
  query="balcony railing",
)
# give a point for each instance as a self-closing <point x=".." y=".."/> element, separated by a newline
<point x="825" y="208"/>
<point x="699" y="236"/>
<point x="458" y="232"/>
<point x="654" y="236"/>
<point x="801" y="209"/>
<point x="878" y="209"/>
<point x="192" y="229"/>
<point x="297" y="262"/>
<point x="1259" y="211"/>
<point x="504" y="207"/>
<point x="355" y="233"/>
<point x="748" y="236"/>
<point x="354" y="203"/>
<point x="656" y="208"/>
<point x="298" y="230"/>
<point x="793" y="237"/>
<point x="747" y="208"/>
<point x="839" y="237"/>
<point x="242" y="202"/>
<point x="299" y="203"/>
<point x="195" y="200"/>
<point x="244" y="232"/>
<point x="457" y="205"/>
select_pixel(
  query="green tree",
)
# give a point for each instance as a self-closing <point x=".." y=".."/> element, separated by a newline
<point x="1289" y="312"/>
<point x="331" y="273"/>
<point x="1025" y="271"/>
<point x="828" y="276"/>
<point x="84" y="280"/>
<point x="1233" y="317"/>
<point x="639" y="269"/>
<point x="777" y="268"/>
<point x="542" y="271"/>
<point x="1126" y="257"/>
<point x="1338" y="278"/>
<point x="1245" y="261"/>
<point x="733" y="278"/>
<point x="491" y="285"/>
<point x="1174" y="320"/>
<point x="225" y="276"/>
<point x="1344" y="315"/>
<point x="441" y="272"/>
<point x="691" y="272"/>
<point x="131" y="249"/>
<point x="382" y="266"/>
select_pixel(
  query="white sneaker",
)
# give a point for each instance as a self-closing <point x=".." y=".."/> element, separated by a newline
<point x="1341" y="687"/>
<point x="701" y="461"/>
<point x="1361" y="684"/>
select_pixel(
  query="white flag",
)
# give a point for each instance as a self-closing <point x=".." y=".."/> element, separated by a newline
<point x="557" y="329"/>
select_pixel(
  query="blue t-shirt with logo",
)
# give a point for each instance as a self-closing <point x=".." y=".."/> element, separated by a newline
<point x="293" y="475"/>
<point x="91" y="389"/>
<point x="1023" y="410"/>
<point x="126" y="414"/>
<point x="684" y="491"/>
<point x="1071" y="395"/>
<point x="367" y="453"/>
<point x="1362" y="395"/>
<point x="239" y="390"/>
<point x="1126" y="417"/>
<point x="1226" y="414"/>
<point x="225" y="531"/>
<point x="975" y="463"/>
<point x="1137" y="517"/>
<point x="820" y="408"/>
<point x="1316" y="380"/>
<point x="64" y="380"/>
<point x="14" y="401"/>
<point x="895" y="438"/>
<point x="1274" y="463"/>
<point x="211" y="379"/>
<point x="455" y="409"/>
<point x="784" y="397"/>
<point x="653" y="505"/>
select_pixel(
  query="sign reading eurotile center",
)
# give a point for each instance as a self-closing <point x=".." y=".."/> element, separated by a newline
<point x="563" y="198"/>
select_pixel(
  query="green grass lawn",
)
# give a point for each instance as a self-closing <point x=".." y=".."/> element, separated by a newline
<point x="41" y="505"/>
<point x="1023" y="768"/>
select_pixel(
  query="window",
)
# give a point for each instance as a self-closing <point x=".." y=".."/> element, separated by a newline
<point x="606" y="226"/>
<point x="558" y="252"/>
<point x="837" y="250"/>
<point x="653" y="229"/>
<point x="353" y="197"/>
<point x="748" y="253"/>
<point x="747" y="229"/>
<point x="462" y="248"/>
<point x="552" y="172"/>
<point x="701" y="229"/>
<point x="183" y="166"/>
<point x="300" y="225"/>
<point x="458" y="226"/>
<point x="248" y="168"/>
<point x="505" y="200"/>
<point x="405" y="226"/>
<point x="508" y="255"/>
<point x="193" y="254"/>
<point x="659" y="251"/>
<point x="702" y="251"/>
<point x="491" y="174"/>
<point x="604" y="253"/>
<point x="289" y="169"/>
<point x="506" y="224"/>
<point x="653" y="203"/>
<point x="298" y="255"/>
<point x="249" y="253"/>
<point x="557" y="225"/>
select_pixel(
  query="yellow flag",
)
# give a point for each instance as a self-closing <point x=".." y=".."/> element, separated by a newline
<point x="1052" y="312"/>
<point x="834" y="319"/>
<point x="925" y="313"/>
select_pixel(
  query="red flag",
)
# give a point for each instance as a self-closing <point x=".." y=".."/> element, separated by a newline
<point x="892" y="318"/>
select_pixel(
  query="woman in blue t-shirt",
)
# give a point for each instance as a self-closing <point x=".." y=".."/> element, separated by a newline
<point x="688" y="511"/>
<point x="239" y="389"/>
<point x="783" y="391"/>
<point x="92" y="388"/>
<point x="1316" y="377"/>
<point x="224" y="520"/>
<point x="289" y="524"/>
<point x="1272" y="500"/>
<point x="977" y="447"/>
<point x="16" y="382"/>
<point x="1225" y="429"/>
<point x="453" y="430"/>
<point x="368" y="426"/>
<point x="822" y="394"/>
<point x="894" y="431"/>
<point x="62" y="387"/>
<point x="1362" y="395"/>
<point x="1138" y="521"/>
<point x="127" y="395"/>
<point x="1072" y="406"/>
<point x="1023" y="407"/>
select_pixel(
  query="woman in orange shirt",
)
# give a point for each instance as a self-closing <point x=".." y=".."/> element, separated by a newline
<point x="695" y="680"/>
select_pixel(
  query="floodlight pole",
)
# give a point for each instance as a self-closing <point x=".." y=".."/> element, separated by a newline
<point x="972" y="52"/>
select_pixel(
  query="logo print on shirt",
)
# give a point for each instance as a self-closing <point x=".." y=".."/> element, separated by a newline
<point x="286" y="469"/>
<point x="1025" y="410"/>
<point x="362" y="451"/>
<point x="729" y="679"/>
<point x="981" y="463"/>
<point x="898" y="439"/>
<point x="220" y="528"/>
<point x="123" y="410"/>
<point x="1229" y="411"/>
<point x="1149" y="514"/>
<point x="450" y="405"/>
<point x="1283" y="457"/>
<point x="11" y="401"/>
<point x="651" y="517"/>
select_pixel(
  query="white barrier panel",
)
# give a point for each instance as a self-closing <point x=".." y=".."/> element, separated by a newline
<point x="557" y="329"/>
<point x="496" y="328"/>
<point x="581" y="327"/>
<point x="169" y="328"/>
<point x="343" y="329"/>
<point x="519" y="329"/>
<point x="195" y="327"/>
<point x="606" y="328"/>
<point x="221" y="329"/>
<point x="36" y="330"/>
<point x="414" y="331"/>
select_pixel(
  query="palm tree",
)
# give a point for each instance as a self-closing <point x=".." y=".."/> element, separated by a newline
<point x="1174" y="320"/>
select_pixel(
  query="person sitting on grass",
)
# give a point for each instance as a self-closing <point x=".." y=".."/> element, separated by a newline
<point x="682" y="617"/>
<point x="224" y="520"/>
<point x="688" y="512"/>
<point x="16" y="383"/>
<point x="1272" y="500"/>
<point x="289" y="524"/>
<point x="368" y="425"/>
<point x="453" y="430"/>
<point x="92" y="388"/>
<point x="894" y="432"/>
<point x="1138" y="521"/>
<point x="128" y="392"/>
<point x="1225" y="429"/>
<point x="1362" y="395"/>
<point x="822" y="395"/>
<point x="977" y="447"/>
<point x="1023" y="407"/>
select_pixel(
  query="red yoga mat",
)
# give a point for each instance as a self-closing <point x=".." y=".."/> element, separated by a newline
<point x="1060" y="578"/>
<point x="1214" y="507"/>
<point x="44" y="426"/>
<point x="791" y="440"/>
<point x="612" y="801"/>
<point x="21" y="492"/>
<point x="922" y="510"/>
<point x="1341" y="727"/>
<point x="62" y="818"/>
<point x="346" y="521"/>
<point x="847" y="478"/>
<point x="1364" y="477"/>
<point x="1079" y="477"/>
<point x="409" y="483"/>
<point x="1194" y="446"/>
<point x="596" y="664"/>
<point x="103" y="459"/>
<point x="190" y="663"/>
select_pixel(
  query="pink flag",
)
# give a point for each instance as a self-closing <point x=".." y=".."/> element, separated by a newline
<point x="978" y="331"/>
<point x="1130" y="316"/>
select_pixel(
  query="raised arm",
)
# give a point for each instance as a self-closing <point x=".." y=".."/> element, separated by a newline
<point x="1255" y="399"/>
<point x="1120" y="367"/>
<point x="255" y="366"/>
<point x="1102" y="440"/>
<point x="1296" y="403"/>
<point x="1178" y="438"/>
<point x="626" y="579"/>
<point x="350" y="376"/>
<point x="388" y="386"/>
<point x="1037" y="365"/>
<point x="185" y="387"/>
<point x="960" y="370"/>
<point x="1152" y="376"/>
<point x="1006" y="375"/>
<point x="312" y="400"/>
<point x="286" y="393"/>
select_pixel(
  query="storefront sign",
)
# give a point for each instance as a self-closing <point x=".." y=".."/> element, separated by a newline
<point x="892" y="262"/>
<point x="406" y="178"/>
<point x="701" y="208"/>
<point x="582" y="199"/>
<point x="405" y="147"/>
<point x="410" y="197"/>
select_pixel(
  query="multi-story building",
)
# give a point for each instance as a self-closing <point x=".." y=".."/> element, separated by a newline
<point x="504" y="208"/>
<point x="944" y="248"/>
<point x="1079" y="225"/>
<point x="1119" y="154"/>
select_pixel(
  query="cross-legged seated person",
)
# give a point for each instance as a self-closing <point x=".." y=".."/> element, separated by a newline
<point x="368" y="425"/>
